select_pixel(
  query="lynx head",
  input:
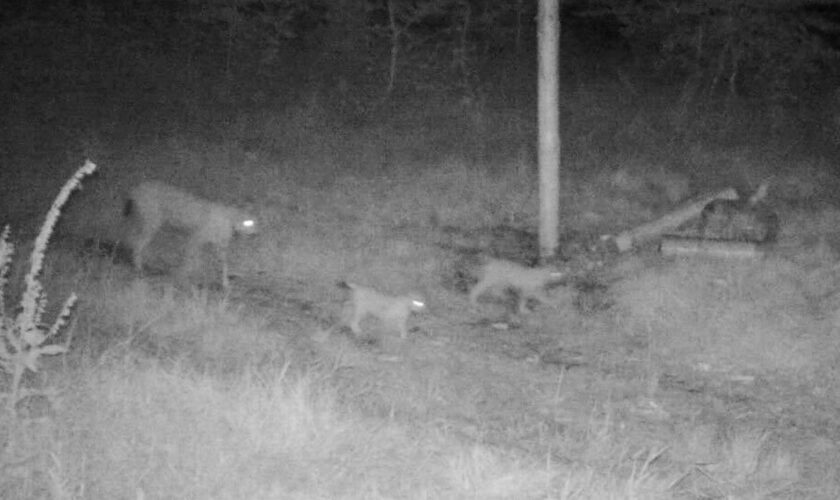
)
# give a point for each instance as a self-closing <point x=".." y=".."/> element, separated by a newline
<point x="555" y="277"/>
<point x="244" y="223"/>
<point x="556" y="274"/>
<point x="416" y="302"/>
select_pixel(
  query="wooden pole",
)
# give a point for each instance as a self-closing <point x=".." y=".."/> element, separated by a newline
<point x="548" y="38"/>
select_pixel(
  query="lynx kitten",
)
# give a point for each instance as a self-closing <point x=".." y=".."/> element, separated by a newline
<point x="151" y="205"/>
<point x="392" y="311"/>
<point x="528" y="282"/>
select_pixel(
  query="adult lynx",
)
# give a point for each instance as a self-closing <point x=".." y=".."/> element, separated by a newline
<point x="528" y="282"/>
<point x="151" y="205"/>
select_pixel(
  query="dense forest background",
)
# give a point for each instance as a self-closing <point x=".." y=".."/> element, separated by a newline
<point x="717" y="70"/>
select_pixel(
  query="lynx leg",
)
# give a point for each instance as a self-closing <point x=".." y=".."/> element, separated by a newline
<point x="192" y="253"/>
<point x="138" y="247"/>
<point x="222" y="252"/>
<point x="477" y="290"/>
<point x="143" y="225"/>
<point x="540" y="296"/>
<point x="524" y="295"/>
<point x="523" y="303"/>
<point x="402" y="321"/>
<point x="355" y="320"/>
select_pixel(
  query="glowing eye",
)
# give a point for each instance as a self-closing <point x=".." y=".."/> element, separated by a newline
<point x="248" y="223"/>
<point x="418" y="304"/>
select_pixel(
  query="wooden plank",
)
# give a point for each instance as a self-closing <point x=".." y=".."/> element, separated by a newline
<point x="683" y="246"/>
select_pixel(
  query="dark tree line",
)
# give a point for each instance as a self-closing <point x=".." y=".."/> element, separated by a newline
<point x="776" y="49"/>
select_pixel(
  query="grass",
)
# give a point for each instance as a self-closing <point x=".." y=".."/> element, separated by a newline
<point x="257" y="438"/>
<point x="650" y="378"/>
<point x="696" y="379"/>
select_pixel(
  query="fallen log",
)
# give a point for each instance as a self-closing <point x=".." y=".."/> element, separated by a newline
<point x="628" y="239"/>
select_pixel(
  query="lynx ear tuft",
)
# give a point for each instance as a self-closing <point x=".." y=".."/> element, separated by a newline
<point x="129" y="208"/>
<point x="344" y="285"/>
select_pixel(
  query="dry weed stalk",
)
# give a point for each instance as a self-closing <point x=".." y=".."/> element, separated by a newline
<point x="23" y="338"/>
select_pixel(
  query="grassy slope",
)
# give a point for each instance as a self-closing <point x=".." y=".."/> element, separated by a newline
<point x="703" y="379"/>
